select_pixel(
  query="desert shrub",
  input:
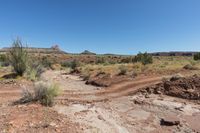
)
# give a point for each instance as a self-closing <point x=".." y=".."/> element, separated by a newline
<point x="42" y="93"/>
<point x="122" y="70"/>
<point x="45" y="94"/>
<point x="64" y="64"/>
<point x="74" y="64"/>
<point x="190" y="67"/>
<point x="126" y="60"/>
<point x="100" y="60"/>
<point x="18" y="57"/>
<point x="46" y="62"/>
<point x="70" y="64"/>
<point x="27" y="96"/>
<point x="197" y="56"/>
<point x="34" y="71"/>
<point x="144" y="58"/>
<point x="3" y="58"/>
<point x="4" y="61"/>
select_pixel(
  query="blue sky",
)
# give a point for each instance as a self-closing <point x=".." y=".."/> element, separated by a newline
<point x="103" y="26"/>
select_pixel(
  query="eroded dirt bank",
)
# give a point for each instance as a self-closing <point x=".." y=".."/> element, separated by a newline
<point x="182" y="87"/>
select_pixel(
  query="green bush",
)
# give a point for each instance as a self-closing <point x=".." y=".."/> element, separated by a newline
<point x="70" y="64"/>
<point x="42" y="93"/>
<point x="144" y="58"/>
<point x="18" y="57"/>
<point x="197" y="56"/>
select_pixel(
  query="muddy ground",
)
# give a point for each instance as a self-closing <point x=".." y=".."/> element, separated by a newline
<point x="125" y="107"/>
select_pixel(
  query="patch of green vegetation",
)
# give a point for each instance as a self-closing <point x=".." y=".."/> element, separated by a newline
<point x="197" y="56"/>
<point x="71" y="64"/>
<point x="144" y="58"/>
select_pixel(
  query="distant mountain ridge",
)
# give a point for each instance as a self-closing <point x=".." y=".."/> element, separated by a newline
<point x="54" y="50"/>
<point x="174" y="53"/>
<point x="87" y="52"/>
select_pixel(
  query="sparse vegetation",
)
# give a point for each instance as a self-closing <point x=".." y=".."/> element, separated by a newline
<point x="4" y="60"/>
<point x="71" y="64"/>
<point x="197" y="56"/>
<point x="45" y="94"/>
<point x="18" y="57"/>
<point x="126" y="60"/>
<point x="190" y="67"/>
<point x="74" y="64"/>
<point x="34" y="70"/>
<point x="46" y="62"/>
<point x="100" y="60"/>
<point x="144" y="58"/>
<point x="122" y="70"/>
<point x="42" y="93"/>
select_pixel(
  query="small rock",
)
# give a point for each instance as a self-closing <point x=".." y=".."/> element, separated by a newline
<point x="170" y="121"/>
<point x="147" y="96"/>
<point x="100" y="117"/>
<point x="158" y="92"/>
<point x="53" y="124"/>
<point x="138" y="101"/>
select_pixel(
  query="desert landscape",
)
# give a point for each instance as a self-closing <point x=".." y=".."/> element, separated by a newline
<point x="86" y="92"/>
<point x="99" y="66"/>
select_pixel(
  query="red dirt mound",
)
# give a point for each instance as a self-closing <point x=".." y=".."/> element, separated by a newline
<point x="106" y="80"/>
<point x="182" y="87"/>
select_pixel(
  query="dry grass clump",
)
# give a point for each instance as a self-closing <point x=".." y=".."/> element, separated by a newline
<point x="190" y="67"/>
<point x="122" y="70"/>
<point x="42" y="93"/>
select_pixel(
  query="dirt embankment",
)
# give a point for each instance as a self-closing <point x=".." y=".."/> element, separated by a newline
<point x="182" y="87"/>
<point x="106" y="80"/>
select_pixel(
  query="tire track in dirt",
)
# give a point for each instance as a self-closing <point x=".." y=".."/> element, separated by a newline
<point x="104" y="94"/>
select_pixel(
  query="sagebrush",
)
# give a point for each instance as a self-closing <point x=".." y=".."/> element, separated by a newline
<point x="43" y="93"/>
<point x="144" y="58"/>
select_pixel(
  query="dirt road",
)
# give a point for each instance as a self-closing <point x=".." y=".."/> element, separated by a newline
<point x="87" y="93"/>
